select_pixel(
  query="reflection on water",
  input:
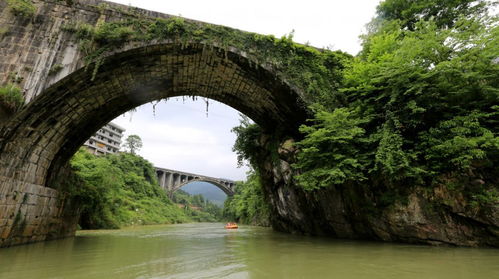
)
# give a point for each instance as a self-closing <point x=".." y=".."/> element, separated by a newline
<point x="209" y="251"/>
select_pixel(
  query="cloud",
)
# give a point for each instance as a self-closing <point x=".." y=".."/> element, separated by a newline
<point x="180" y="136"/>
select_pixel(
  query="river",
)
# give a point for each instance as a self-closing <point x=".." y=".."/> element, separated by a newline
<point x="207" y="250"/>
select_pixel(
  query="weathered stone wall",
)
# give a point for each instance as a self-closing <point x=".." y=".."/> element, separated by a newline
<point x="32" y="213"/>
<point x="32" y="47"/>
<point x="29" y="211"/>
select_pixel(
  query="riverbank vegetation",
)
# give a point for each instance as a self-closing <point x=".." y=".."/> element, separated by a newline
<point x="248" y="206"/>
<point x="120" y="190"/>
<point x="418" y="106"/>
<point x="197" y="207"/>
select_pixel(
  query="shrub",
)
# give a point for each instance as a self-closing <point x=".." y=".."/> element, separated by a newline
<point x="11" y="97"/>
<point x="55" y="69"/>
<point x="22" y="8"/>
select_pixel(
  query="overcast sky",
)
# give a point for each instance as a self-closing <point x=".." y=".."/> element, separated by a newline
<point x="181" y="135"/>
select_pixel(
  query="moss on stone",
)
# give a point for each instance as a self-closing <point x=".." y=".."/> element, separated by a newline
<point x="3" y="31"/>
<point x="55" y="69"/>
<point x="316" y="72"/>
<point x="22" y="8"/>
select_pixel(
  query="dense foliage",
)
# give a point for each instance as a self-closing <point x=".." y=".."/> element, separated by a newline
<point x="120" y="190"/>
<point x="445" y="13"/>
<point x="421" y="103"/>
<point x="11" y="97"/>
<point x="197" y="207"/>
<point x="330" y="151"/>
<point x="248" y="206"/>
<point x="246" y="145"/>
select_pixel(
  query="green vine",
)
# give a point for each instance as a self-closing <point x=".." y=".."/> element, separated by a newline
<point x="316" y="72"/>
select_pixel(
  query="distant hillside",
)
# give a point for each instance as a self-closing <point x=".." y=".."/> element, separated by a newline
<point x="208" y="190"/>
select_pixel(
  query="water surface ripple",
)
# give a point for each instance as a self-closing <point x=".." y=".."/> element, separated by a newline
<point x="207" y="250"/>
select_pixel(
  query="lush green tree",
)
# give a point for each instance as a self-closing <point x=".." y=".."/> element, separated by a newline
<point x="414" y="81"/>
<point x="247" y="136"/>
<point x="248" y="204"/>
<point x="421" y="103"/>
<point x="97" y="181"/>
<point x="133" y="143"/>
<point x="417" y="106"/>
<point x="329" y="153"/>
<point x="445" y="13"/>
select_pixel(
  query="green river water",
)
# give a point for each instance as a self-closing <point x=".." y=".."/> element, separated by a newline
<point x="207" y="250"/>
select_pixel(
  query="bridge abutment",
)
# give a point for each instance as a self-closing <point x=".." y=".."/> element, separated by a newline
<point x="31" y="213"/>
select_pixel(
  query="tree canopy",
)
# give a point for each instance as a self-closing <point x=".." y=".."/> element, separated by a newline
<point x="133" y="143"/>
<point x="421" y="102"/>
<point x="445" y="13"/>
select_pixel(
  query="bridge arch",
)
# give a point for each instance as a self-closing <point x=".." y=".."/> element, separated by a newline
<point x="148" y="56"/>
<point x="172" y="180"/>
<point x="42" y="138"/>
<point x="226" y="187"/>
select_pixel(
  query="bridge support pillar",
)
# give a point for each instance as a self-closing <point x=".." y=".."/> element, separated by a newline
<point x="168" y="181"/>
<point x="161" y="179"/>
<point x="30" y="213"/>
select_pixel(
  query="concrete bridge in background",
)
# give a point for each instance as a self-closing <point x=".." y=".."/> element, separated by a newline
<point x="172" y="180"/>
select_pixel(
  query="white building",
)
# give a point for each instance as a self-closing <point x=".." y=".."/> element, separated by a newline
<point x="105" y="141"/>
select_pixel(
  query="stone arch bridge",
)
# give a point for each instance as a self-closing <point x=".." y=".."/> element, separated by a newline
<point x="80" y="64"/>
<point x="172" y="180"/>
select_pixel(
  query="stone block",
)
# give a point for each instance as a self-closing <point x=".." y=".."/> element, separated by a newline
<point x="23" y="210"/>
<point x="32" y="189"/>
<point x="34" y="220"/>
<point x="29" y="230"/>
<point x="31" y="210"/>
<point x="3" y="222"/>
<point x="6" y="232"/>
<point x="32" y="199"/>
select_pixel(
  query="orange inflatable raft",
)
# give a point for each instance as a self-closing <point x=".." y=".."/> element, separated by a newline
<point x="231" y="226"/>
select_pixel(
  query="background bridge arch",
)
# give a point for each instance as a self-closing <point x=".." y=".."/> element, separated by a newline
<point x="173" y="180"/>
